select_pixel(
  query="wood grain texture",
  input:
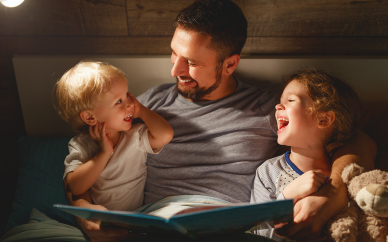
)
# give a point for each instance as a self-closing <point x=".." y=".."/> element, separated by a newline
<point x="255" y="46"/>
<point x="153" y="18"/>
<point x="309" y="18"/>
<point x="65" y="18"/>
<point x="266" y="18"/>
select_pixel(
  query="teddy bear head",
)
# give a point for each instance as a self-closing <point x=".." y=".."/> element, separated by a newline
<point x="368" y="189"/>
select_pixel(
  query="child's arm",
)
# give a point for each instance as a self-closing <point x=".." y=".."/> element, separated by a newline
<point x="312" y="212"/>
<point x="82" y="178"/>
<point x="304" y="185"/>
<point x="160" y="132"/>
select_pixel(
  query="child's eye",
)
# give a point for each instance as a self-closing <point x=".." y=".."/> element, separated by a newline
<point x="291" y="100"/>
<point x="119" y="101"/>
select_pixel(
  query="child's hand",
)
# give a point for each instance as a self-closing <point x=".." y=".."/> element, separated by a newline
<point x="136" y="104"/>
<point x="304" y="185"/>
<point x="97" y="132"/>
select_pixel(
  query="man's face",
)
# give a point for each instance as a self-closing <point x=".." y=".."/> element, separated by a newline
<point x="195" y="65"/>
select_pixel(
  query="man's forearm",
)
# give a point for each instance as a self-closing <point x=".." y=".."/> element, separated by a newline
<point x="361" y="150"/>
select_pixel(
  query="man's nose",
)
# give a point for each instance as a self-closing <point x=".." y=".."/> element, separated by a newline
<point x="180" y="67"/>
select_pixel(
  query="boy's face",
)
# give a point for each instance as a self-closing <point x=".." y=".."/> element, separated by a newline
<point x="116" y="108"/>
<point x="194" y="65"/>
<point x="296" y="125"/>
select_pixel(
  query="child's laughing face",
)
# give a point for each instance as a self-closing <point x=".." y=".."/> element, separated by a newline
<point x="116" y="108"/>
<point x="296" y="124"/>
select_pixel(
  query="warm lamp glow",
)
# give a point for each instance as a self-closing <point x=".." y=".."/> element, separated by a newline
<point x="11" y="3"/>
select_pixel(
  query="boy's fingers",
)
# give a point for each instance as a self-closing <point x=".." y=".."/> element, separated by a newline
<point x="100" y="128"/>
<point x="103" y="129"/>
<point x="321" y="180"/>
<point x="91" y="131"/>
<point x="320" y="177"/>
<point x="130" y="95"/>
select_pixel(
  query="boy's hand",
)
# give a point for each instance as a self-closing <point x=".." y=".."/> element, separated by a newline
<point x="98" y="133"/>
<point x="304" y="185"/>
<point x="136" y="104"/>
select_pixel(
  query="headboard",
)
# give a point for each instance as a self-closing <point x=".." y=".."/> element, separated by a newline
<point x="36" y="76"/>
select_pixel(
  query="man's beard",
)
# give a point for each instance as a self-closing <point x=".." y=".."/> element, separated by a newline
<point x="197" y="93"/>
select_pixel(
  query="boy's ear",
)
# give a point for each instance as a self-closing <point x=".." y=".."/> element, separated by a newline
<point x="326" y="119"/>
<point x="230" y="64"/>
<point x="88" y="117"/>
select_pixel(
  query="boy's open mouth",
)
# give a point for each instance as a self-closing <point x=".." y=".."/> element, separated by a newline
<point x="128" y="118"/>
<point x="282" y="123"/>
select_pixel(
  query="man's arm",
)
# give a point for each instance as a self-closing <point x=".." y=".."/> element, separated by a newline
<point x="312" y="212"/>
<point x="92" y="228"/>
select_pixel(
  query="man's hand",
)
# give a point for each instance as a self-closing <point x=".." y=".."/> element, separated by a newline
<point x="97" y="233"/>
<point x="308" y="221"/>
<point x="311" y="213"/>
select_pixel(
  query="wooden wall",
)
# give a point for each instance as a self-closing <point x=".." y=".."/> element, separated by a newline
<point x="145" y="27"/>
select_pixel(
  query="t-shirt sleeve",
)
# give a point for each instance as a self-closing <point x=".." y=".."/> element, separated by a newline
<point x="144" y="142"/>
<point x="77" y="156"/>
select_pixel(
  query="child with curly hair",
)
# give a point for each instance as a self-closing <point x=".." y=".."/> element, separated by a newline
<point x="317" y="114"/>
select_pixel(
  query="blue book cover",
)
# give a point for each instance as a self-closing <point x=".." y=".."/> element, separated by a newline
<point x="192" y="220"/>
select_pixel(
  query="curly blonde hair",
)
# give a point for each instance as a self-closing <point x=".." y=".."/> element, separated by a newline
<point x="330" y="93"/>
<point x="81" y="87"/>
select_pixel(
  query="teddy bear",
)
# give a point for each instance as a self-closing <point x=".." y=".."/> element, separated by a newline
<point x="366" y="219"/>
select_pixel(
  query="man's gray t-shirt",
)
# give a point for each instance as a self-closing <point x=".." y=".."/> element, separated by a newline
<point x="217" y="145"/>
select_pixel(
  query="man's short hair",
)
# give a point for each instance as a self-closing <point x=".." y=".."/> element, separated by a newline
<point x="222" y="20"/>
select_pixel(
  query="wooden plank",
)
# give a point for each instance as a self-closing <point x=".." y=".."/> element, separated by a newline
<point x="153" y="18"/>
<point x="376" y="46"/>
<point x="315" y="18"/>
<point x="267" y="18"/>
<point x="372" y="46"/>
<point x="86" y="45"/>
<point x="59" y="18"/>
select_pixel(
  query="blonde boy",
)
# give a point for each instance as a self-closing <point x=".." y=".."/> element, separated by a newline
<point x="109" y="154"/>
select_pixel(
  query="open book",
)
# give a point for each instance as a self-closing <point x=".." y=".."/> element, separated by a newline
<point x="191" y="219"/>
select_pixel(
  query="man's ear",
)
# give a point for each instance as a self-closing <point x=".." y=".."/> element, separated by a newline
<point x="230" y="64"/>
<point x="326" y="119"/>
<point x="88" y="117"/>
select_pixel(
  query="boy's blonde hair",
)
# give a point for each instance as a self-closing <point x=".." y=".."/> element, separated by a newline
<point x="81" y="87"/>
<point x="330" y="93"/>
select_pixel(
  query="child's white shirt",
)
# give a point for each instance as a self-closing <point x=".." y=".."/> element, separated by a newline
<point x="121" y="184"/>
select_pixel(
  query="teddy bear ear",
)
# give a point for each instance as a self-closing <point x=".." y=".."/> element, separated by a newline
<point x="351" y="171"/>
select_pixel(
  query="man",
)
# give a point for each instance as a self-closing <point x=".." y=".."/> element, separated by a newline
<point x="223" y="128"/>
